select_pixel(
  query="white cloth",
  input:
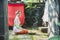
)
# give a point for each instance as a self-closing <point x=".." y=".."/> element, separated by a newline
<point x="17" y="27"/>
<point x="45" y="16"/>
<point x="53" y="18"/>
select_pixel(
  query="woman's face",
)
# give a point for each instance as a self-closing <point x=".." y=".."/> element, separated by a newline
<point x="19" y="13"/>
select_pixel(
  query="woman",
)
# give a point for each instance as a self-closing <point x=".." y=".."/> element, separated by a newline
<point x="17" y="29"/>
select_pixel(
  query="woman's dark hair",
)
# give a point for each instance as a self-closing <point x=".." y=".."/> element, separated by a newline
<point x="17" y="12"/>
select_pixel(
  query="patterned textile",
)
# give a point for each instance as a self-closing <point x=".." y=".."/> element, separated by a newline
<point x="53" y="10"/>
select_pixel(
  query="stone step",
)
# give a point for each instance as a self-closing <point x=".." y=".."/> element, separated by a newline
<point x="43" y="29"/>
<point x="43" y="39"/>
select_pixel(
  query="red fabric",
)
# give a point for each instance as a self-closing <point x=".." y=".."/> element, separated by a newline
<point x="12" y="8"/>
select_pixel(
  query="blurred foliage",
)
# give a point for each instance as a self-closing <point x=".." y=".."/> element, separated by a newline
<point x="33" y="14"/>
<point x="56" y="37"/>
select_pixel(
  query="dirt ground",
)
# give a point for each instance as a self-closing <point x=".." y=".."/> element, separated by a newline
<point x="27" y="36"/>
